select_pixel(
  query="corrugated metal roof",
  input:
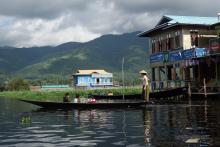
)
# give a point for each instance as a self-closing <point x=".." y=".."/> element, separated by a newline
<point x="89" y="72"/>
<point x="192" y="19"/>
<point x="173" y="20"/>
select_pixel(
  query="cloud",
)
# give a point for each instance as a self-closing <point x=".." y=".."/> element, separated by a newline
<point x="38" y="32"/>
<point x="51" y="22"/>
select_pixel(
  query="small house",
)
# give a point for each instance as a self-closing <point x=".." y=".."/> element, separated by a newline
<point x="91" y="79"/>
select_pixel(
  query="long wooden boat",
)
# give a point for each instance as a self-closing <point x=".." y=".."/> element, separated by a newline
<point x="157" y="94"/>
<point x="67" y="105"/>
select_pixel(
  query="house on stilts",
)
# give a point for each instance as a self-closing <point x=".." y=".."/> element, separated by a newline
<point x="185" y="50"/>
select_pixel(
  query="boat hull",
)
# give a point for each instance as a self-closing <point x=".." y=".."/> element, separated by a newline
<point x="210" y="95"/>
<point x="66" y="105"/>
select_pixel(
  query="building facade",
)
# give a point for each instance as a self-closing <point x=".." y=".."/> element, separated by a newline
<point x="90" y="79"/>
<point x="178" y="44"/>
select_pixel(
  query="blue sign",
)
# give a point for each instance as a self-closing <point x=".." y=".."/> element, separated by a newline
<point x="200" y="52"/>
<point x="175" y="56"/>
<point x="156" y="58"/>
<point x="188" y="53"/>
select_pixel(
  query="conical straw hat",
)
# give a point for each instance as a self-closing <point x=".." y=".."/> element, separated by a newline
<point x="142" y="72"/>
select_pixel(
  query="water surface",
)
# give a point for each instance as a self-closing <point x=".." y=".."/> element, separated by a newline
<point x="24" y="124"/>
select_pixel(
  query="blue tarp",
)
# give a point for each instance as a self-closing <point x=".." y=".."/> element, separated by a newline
<point x="175" y="56"/>
<point x="200" y="52"/>
<point x="156" y="58"/>
<point x="187" y="54"/>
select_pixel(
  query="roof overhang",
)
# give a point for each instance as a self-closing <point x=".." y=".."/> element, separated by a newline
<point x="216" y="24"/>
<point x="149" y="33"/>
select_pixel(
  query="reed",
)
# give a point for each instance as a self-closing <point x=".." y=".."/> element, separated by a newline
<point x="58" y="95"/>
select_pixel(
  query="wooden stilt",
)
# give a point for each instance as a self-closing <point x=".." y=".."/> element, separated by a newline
<point x="205" y="91"/>
<point x="189" y="90"/>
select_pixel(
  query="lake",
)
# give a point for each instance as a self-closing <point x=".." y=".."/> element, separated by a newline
<point x="24" y="124"/>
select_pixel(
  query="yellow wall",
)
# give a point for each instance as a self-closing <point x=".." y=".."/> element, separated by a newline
<point x="186" y="41"/>
<point x="187" y="37"/>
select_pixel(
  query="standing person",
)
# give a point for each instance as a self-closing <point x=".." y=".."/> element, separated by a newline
<point x="145" y="85"/>
<point x="66" y="97"/>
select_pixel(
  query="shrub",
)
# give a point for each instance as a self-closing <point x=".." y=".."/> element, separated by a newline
<point x="17" y="84"/>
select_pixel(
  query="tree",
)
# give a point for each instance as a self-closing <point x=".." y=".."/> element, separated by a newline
<point x="17" y="85"/>
<point x="3" y="79"/>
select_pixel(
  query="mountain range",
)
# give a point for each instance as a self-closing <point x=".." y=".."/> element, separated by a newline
<point x="105" y="52"/>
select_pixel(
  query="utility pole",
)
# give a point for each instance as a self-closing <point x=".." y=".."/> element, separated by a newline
<point x="123" y="80"/>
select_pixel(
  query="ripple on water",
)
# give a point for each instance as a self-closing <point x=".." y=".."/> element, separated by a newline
<point x="47" y="131"/>
<point x="89" y="132"/>
<point x="31" y="128"/>
<point x="85" y="142"/>
<point x="119" y="143"/>
<point x="58" y="126"/>
<point x="133" y="145"/>
<point x="162" y="126"/>
<point x="104" y="137"/>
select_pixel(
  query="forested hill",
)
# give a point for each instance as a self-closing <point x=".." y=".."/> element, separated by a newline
<point x="105" y="52"/>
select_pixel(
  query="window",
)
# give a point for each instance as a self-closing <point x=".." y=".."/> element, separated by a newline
<point x="168" y="45"/>
<point x="177" y="76"/>
<point x="169" y="72"/>
<point x="162" y="73"/>
<point x="153" y="74"/>
<point x="157" y="47"/>
<point x="80" y="79"/>
<point x="97" y="80"/>
<point x="160" y="44"/>
<point x="194" y="38"/>
<point x="177" y="39"/>
<point x="164" y="44"/>
<point x="153" y="46"/>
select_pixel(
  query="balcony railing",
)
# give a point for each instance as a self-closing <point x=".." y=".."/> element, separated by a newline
<point x="173" y="56"/>
<point x="160" y="85"/>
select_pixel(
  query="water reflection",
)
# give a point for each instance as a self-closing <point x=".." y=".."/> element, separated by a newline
<point x="178" y="125"/>
<point x="146" y="120"/>
<point x="157" y="125"/>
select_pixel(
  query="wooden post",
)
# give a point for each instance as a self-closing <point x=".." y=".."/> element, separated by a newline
<point x="205" y="92"/>
<point x="166" y="75"/>
<point x="189" y="90"/>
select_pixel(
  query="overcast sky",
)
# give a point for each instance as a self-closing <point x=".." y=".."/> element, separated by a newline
<point x="52" y="22"/>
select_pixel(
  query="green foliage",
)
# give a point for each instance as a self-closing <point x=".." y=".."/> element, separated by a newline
<point x="116" y="91"/>
<point x="17" y="84"/>
<point x="58" y="95"/>
<point x="50" y="79"/>
<point x="3" y="79"/>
